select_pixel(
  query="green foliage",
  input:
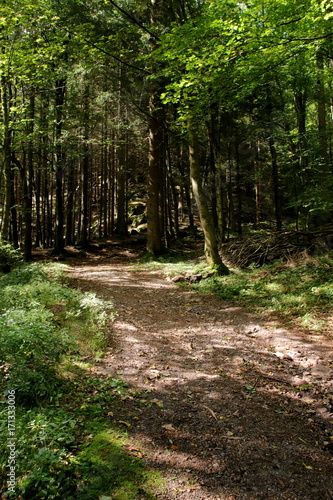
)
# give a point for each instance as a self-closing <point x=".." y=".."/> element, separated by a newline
<point x="30" y="350"/>
<point x="22" y="275"/>
<point x="302" y="290"/>
<point x="9" y="256"/>
<point x="44" y="438"/>
<point x="41" y="320"/>
<point x="70" y="449"/>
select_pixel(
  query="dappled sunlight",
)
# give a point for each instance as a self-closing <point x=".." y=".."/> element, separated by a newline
<point x="226" y="398"/>
<point x="243" y="428"/>
<point x="110" y="276"/>
<point x="123" y="325"/>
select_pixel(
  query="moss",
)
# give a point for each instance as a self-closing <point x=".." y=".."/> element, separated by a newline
<point x="110" y="471"/>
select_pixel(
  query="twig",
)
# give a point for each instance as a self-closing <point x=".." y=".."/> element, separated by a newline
<point x="231" y="437"/>
<point x="211" y="412"/>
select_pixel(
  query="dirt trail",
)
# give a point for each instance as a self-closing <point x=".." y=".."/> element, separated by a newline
<point x="232" y="413"/>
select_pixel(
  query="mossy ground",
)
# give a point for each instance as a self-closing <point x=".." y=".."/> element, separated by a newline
<point x="113" y="472"/>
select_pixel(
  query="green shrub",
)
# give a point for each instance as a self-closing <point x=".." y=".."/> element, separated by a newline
<point x="9" y="256"/>
<point x="39" y="313"/>
<point x="30" y="350"/>
<point x="25" y="273"/>
<point x="36" y="314"/>
<point x="42" y="320"/>
<point x="45" y="468"/>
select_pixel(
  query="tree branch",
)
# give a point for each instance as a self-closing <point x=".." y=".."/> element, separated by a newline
<point x="129" y="65"/>
<point x="135" y="21"/>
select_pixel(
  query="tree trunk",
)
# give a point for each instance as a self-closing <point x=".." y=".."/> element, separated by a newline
<point x="163" y="188"/>
<point x="154" y="241"/>
<point x="173" y="195"/>
<point x="121" y="161"/>
<point x="38" y="235"/>
<point x="256" y="173"/>
<point x="185" y="185"/>
<point x="222" y="209"/>
<point x="85" y="170"/>
<point x="113" y="184"/>
<point x="275" y="176"/>
<point x="105" y="202"/>
<point x="28" y="179"/>
<point x="211" y="250"/>
<point x="121" y="226"/>
<point x="238" y="193"/>
<point x="213" y="184"/>
<point x="59" y="244"/>
<point x="321" y="111"/>
<point x="14" y="232"/>
<point x="230" y="199"/>
<point x="5" y="227"/>
<point x="70" y="204"/>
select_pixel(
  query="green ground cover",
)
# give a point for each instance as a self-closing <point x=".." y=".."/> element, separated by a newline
<point x="300" y="290"/>
<point x="66" y="444"/>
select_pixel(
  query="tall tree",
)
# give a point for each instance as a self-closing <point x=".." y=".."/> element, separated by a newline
<point x="211" y="249"/>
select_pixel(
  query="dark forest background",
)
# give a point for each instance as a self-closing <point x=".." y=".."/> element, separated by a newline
<point x="133" y="116"/>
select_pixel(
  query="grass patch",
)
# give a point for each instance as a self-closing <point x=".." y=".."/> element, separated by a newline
<point x="66" y="445"/>
<point x="300" y="291"/>
<point x="187" y="259"/>
<point x="112" y="472"/>
<point x="303" y="290"/>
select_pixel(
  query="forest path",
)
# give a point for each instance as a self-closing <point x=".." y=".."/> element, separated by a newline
<point x="229" y="411"/>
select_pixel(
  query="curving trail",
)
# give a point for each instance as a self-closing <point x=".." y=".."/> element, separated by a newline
<point x="228" y="414"/>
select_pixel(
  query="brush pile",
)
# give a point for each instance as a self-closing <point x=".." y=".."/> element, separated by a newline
<point x="264" y="248"/>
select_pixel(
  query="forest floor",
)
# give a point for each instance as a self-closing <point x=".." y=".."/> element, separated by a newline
<point x="236" y="406"/>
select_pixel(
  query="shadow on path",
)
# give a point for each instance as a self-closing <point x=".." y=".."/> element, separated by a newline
<point x="234" y="408"/>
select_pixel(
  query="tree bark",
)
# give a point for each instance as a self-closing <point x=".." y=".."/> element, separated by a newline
<point x="321" y="111"/>
<point x="275" y="175"/>
<point x="28" y="179"/>
<point x="5" y="227"/>
<point x="59" y="244"/>
<point x="213" y="184"/>
<point x="238" y="193"/>
<point x="14" y="229"/>
<point x="187" y="190"/>
<point x="256" y="176"/>
<point x="222" y="209"/>
<point x="70" y="203"/>
<point x="211" y="250"/>
<point x="121" y="226"/>
<point x="154" y="240"/>
<point x="85" y="170"/>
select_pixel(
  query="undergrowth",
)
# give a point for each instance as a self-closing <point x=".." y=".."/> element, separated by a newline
<point x="65" y="443"/>
<point x="299" y="290"/>
<point x="184" y="259"/>
<point x="71" y="449"/>
<point x="9" y="256"/>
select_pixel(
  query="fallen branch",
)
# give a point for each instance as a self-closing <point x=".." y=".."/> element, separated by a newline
<point x="211" y="412"/>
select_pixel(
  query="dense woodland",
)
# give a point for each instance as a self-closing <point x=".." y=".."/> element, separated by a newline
<point x="175" y="119"/>
<point x="118" y="117"/>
